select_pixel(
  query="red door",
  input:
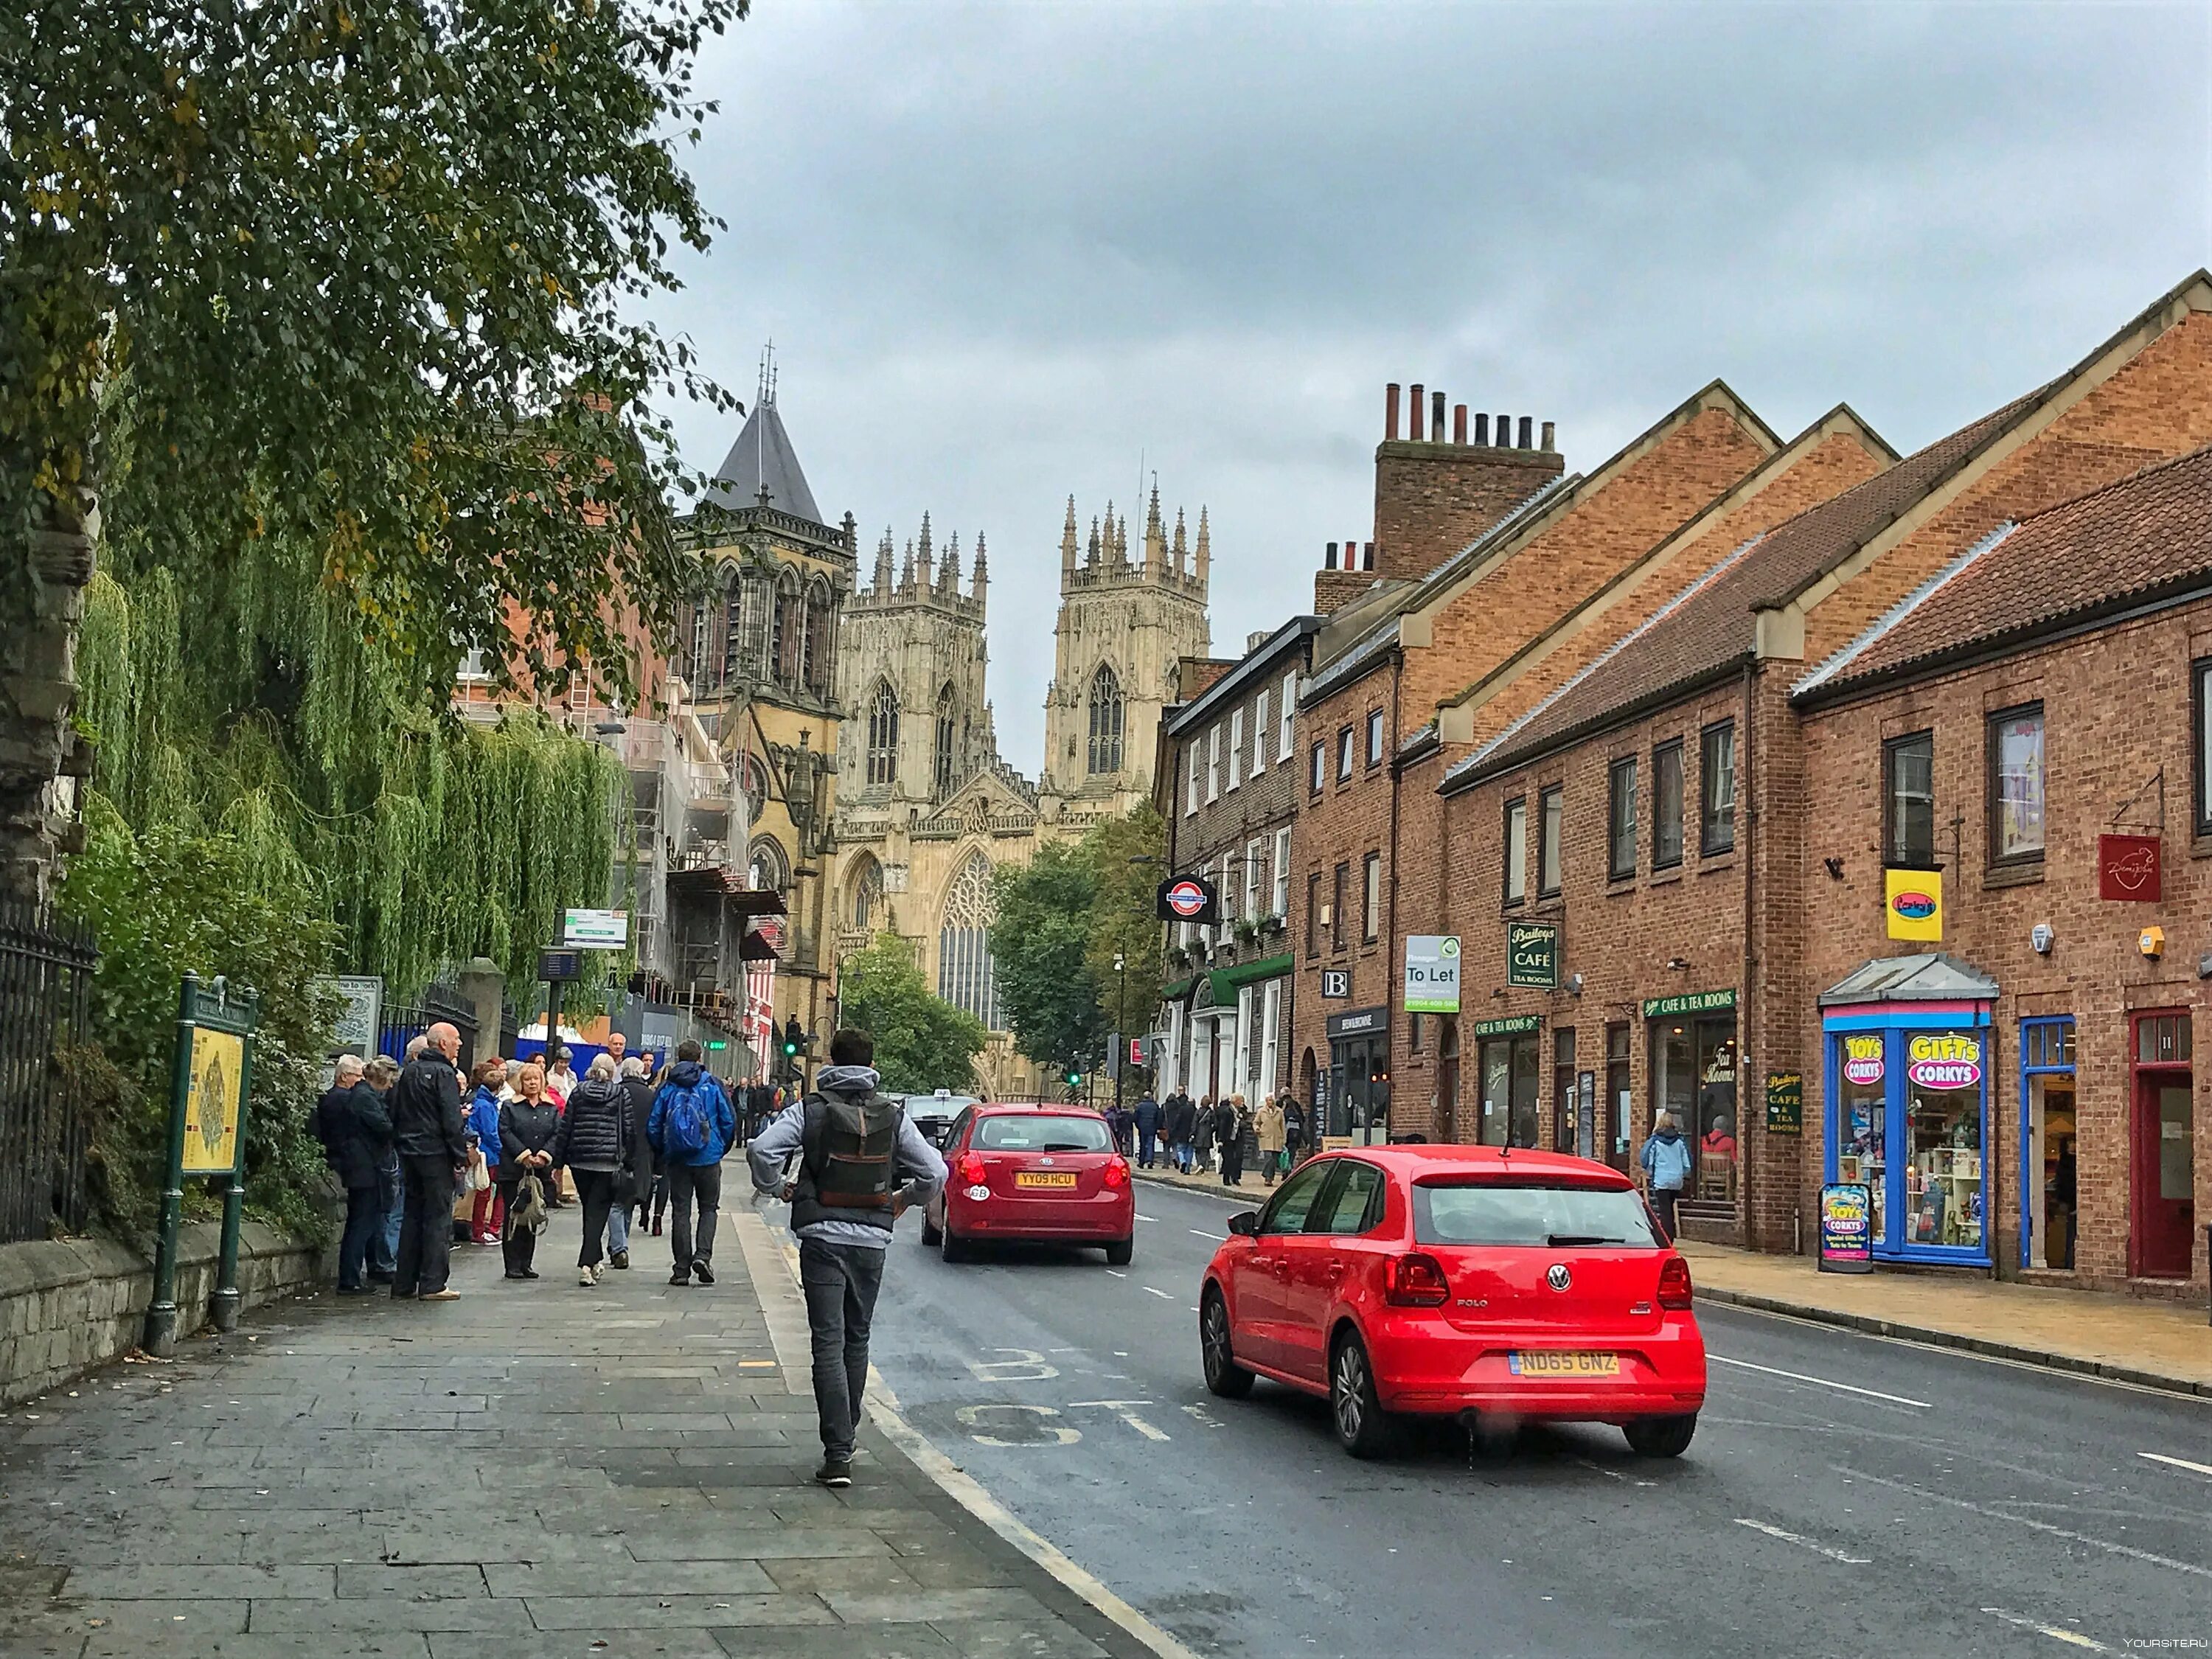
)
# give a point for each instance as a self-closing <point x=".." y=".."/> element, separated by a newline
<point x="2162" y="1161"/>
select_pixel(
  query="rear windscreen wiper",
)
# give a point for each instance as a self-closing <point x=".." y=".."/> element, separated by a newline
<point x="1555" y="1240"/>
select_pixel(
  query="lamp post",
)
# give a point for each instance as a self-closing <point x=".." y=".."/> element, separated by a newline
<point x="1120" y="1018"/>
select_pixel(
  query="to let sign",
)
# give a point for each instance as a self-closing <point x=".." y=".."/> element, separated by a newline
<point x="1532" y="955"/>
<point x="2127" y="868"/>
<point x="1785" y="1103"/>
<point x="1432" y="974"/>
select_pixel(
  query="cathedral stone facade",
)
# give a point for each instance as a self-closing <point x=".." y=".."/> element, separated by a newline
<point x="926" y="807"/>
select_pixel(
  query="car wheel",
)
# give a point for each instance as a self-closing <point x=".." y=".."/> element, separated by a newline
<point x="931" y="1232"/>
<point x="1118" y="1252"/>
<point x="1363" y="1427"/>
<point x="950" y="1246"/>
<point x="1224" y="1375"/>
<point x="1660" y="1436"/>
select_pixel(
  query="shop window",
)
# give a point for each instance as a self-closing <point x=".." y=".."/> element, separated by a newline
<point x="1908" y="792"/>
<point x="1694" y="1082"/>
<point x="1862" y="1121"/>
<point x="1318" y="768"/>
<point x="1621" y="820"/>
<point x="1716" y="789"/>
<point x="1344" y="754"/>
<point x="2200" y="683"/>
<point x="1375" y="737"/>
<point x="2015" y="787"/>
<point x="1944" y="1191"/>
<point x="2046" y="1060"/>
<point x="1370" y="897"/>
<point x="1666" y="805"/>
<point x="1516" y="850"/>
<point x="1551" y="839"/>
<point x="1563" y="1091"/>
<point x="1612" y="1128"/>
<point x="1508" y="1068"/>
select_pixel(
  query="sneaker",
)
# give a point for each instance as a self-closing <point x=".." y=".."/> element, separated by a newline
<point x="440" y="1296"/>
<point x="835" y="1471"/>
<point x="620" y="1260"/>
<point x="681" y="1276"/>
<point x="583" y="1279"/>
<point x="702" y="1273"/>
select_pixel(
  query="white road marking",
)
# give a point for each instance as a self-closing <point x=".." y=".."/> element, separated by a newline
<point x="1141" y="1216"/>
<point x="1805" y="1543"/>
<point x="1125" y="1409"/>
<point x="1162" y="1295"/>
<point x="1116" y="1273"/>
<point x="1204" y="1417"/>
<point x="2071" y="1638"/>
<point x="1219" y="1239"/>
<point x="1027" y="1366"/>
<point x="1822" y="1381"/>
<point x="2104" y="1544"/>
<point x="971" y="1418"/>
<point x="2178" y="1462"/>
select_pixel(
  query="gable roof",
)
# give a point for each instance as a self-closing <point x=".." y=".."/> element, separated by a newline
<point x="2145" y="538"/>
<point x="763" y="457"/>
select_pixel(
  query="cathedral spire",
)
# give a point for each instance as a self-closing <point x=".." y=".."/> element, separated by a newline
<point x="1205" y="551"/>
<point x="1109" y="546"/>
<point x="948" y="577"/>
<point x="1182" y="551"/>
<point x="1067" y="546"/>
<point x="925" y="564"/>
<point x="883" y="565"/>
<point x="981" y="584"/>
<point x="905" y="570"/>
<point x="1092" y="558"/>
<point x="1121" y="539"/>
<point x="1155" y="536"/>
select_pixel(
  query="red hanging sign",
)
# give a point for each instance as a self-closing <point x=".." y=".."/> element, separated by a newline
<point x="2128" y="868"/>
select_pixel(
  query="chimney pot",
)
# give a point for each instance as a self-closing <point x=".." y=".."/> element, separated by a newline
<point x="1390" y="412"/>
<point x="1369" y="564"/>
<point x="1548" y="444"/>
<point x="1459" y="423"/>
<point x="1528" y="432"/>
<point x="1482" y="430"/>
<point x="1437" y="415"/>
<point x="1506" y="432"/>
<point x="1416" y="417"/>
<point x="1328" y="559"/>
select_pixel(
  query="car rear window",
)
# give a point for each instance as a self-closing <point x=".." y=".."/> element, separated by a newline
<point x="1042" y="1134"/>
<point x="1533" y="1213"/>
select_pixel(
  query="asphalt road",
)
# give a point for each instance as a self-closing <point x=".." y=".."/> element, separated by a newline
<point x="1845" y="1495"/>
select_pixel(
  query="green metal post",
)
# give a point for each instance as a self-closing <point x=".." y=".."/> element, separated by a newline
<point x="161" y="1316"/>
<point x="224" y="1309"/>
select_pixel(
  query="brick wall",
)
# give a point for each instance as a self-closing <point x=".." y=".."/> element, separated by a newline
<point x="1432" y="498"/>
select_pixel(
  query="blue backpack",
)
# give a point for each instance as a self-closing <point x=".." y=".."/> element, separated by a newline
<point x="687" y="1122"/>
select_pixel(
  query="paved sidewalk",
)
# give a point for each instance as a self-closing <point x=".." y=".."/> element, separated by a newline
<point x="1253" y="1190"/>
<point x="536" y="1470"/>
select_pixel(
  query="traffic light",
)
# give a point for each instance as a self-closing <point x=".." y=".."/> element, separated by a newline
<point x="794" y="1039"/>
<point x="1074" y="1078"/>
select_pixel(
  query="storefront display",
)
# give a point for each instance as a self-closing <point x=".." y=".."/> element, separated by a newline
<point x="1693" y="1081"/>
<point x="1508" y="1061"/>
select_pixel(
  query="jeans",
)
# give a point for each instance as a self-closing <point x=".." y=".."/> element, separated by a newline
<point x="1663" y="1199"/>
<point x="363" y="1217"/>
<point x="840" y="1282"/>
<point x="519" y="1245"/>
<point x="426" y="1229"/>
<point x="1145" y="1149"/>
<point x="704" y="1182"/>
<point x="1185" y="1157"/>
<point x="618" y="1229"/>
<point x="595" y="1190"/>
<point x="384" y="1232"/>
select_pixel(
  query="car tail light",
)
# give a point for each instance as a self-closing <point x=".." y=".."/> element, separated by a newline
<point x="969" y="1166"/>
<point x="1117" y="1173"/>
<point x="1674" y="1283"/>
<point x="1416" y="1281"/>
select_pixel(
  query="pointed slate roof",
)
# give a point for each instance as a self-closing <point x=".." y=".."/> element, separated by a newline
<point x="762" y="456"/>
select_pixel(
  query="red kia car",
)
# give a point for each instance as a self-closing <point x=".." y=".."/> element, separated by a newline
<point x="1432" y="1280"/>
<point x="1035" y="1173"/>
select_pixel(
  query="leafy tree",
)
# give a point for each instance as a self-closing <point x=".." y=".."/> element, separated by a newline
<point x="1127" y="859"/>
<point x="922" y="1041"/>
<point x="1041" y="941"/>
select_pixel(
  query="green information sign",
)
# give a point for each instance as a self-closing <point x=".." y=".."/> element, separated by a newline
<point x="1696" y="1002"/>
<point x="1785" y="1103"/>
<point x="717" y="1044"/>
<point x="1512" y="1027"/>
<point x="1532" y="955"/>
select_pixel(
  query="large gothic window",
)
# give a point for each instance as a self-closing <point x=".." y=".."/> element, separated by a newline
<point x="967" y="977"/>
<point x="947" y="755"/>
<point x="767" y="867"/>
<point x="883" y="734"/>
<point x="814" y="669"/>
<point x="734" y="623"/>
<point x="867" y="893"/>
<point x="786" y="642"/>
<point x="1105" y="721"/>
<point x="695" y="665"/>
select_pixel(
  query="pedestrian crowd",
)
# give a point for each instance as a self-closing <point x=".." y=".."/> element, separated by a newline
<point x="1198" y="1137"/>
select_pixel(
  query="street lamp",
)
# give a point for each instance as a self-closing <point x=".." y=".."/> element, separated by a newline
<point x="1120" y="1018"/>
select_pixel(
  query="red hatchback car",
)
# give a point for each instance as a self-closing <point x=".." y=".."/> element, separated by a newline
<point x="1434" y="1280"/>
<point x="1035" y="1173"/>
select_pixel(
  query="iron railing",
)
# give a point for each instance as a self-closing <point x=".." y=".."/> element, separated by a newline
<point x="403" y="1023"/>
<point x="45" y="982"/>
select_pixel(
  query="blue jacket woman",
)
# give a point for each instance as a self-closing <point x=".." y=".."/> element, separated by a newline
<point x="483" y="1123"/>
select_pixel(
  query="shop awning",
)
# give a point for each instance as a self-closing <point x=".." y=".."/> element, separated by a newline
<point x="1225" y="981"/>
<point x="1930" y="976"/>
<point x="1179" y="990"/>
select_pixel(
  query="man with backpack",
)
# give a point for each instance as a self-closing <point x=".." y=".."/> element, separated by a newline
<point x="692" y="1127"/>
<point x="860" y="1162"/>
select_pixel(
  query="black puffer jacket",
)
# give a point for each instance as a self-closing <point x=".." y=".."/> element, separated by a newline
<point x="596" y="1129"/>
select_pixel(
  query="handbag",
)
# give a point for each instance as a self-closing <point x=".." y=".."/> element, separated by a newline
<point x="526" y="1214"/>
<point x="479" y="1178"/>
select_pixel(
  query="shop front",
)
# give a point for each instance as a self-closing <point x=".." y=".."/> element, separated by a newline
<point x="1908" y="1047"/>
<point x="1507" y="1057"/>
<point x="1693" y="1081"/>
<point x="1357" y="1109"/>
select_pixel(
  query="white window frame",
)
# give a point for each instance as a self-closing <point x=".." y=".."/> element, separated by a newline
<point x="1190" y="789"/>
<point x="1235" y="747"/>
<point x="1214" y="764"/>
<point x="1283" y="872"/>
<point x="1286" y="716"/>
<point x="1259" y="733"/>
<point x="1375" y="743"/>
<point x="1254" y="863"/>
<point x="1271" y="1030"/>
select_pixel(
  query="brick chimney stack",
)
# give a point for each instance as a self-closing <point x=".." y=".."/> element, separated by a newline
<point x="1434" y="494"/>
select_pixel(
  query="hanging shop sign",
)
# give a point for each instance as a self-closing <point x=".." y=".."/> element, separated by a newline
<point x="1431" y="974"/>
<point x="1517" y="1025"/>
<point x="1785" y="1103"/>
<point x="1695" y="1002"/>
<point x="1913" y="902"/>
<point x="1944" y="1059"/>
<point x="1846" y="1228"/>
<point x="1187" y="898"/>
<point x="2129" y="868"/>
<point x="1532" y="955"/>
<point x="1863" y="1058"/>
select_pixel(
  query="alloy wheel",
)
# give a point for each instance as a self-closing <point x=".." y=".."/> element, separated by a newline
<point x="1350" y="1392"/>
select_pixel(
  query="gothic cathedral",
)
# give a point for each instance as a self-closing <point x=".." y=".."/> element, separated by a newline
<point x="926" y="806"/>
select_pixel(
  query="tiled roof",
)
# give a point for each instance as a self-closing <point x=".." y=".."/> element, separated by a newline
<point x="762" y="458"/>
<point x="1710" y="625"/>
<point x="2139" y="539"/>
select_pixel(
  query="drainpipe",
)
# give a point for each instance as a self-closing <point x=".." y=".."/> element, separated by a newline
<point x="1747" y="1002"/>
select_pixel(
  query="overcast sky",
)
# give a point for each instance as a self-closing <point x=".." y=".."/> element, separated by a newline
<point x="1011" y="252"/>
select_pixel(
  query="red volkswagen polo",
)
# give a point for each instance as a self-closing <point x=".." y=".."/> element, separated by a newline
<point x="1035" y="1173"/>
<point x="1431" y="1280"/>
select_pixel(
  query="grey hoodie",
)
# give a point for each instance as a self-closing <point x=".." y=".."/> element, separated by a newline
<point x="915" y="1161"/>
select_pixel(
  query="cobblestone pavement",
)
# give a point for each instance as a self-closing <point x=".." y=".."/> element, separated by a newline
<point x="535" y="1470"/>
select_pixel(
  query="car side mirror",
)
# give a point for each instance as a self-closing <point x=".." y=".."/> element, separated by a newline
<point x="1245" y="1223"/>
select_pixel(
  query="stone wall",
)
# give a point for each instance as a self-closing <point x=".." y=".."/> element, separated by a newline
<point x="68" y="1306"/>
